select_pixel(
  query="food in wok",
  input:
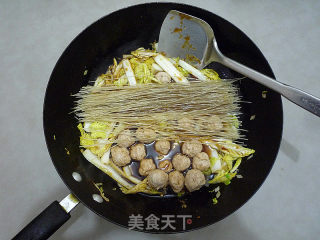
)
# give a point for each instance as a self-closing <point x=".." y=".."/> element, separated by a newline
<point x="139" y="125"/>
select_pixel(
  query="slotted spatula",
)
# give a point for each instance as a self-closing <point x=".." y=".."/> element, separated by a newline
<point x="193" y="39"/>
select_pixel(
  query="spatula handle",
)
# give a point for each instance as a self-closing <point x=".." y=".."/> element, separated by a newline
<point x="297" y="96"/>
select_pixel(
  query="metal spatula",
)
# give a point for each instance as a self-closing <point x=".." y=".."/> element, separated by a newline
<point x="191" y="38"/>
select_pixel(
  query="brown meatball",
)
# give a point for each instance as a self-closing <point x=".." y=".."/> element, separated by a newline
<point x="191" y="147"/>
<point x="163" y="77"/>
<point x="138" y="152"/>
<point x="201" y="161"/>
<point x="125" y="138"/>
<point x="176" y="181"/>
<point x="165" y="165"/>
<point x="162" y="146"/>
<point x="214" y="123"/>
<point x="194" y="180"/>
<point x="145" y="135"/>
<point x="157" y="179"/>
<point x="146" y="166"/>
<point x="120" y="156"/>
<point x="181" y="162"/>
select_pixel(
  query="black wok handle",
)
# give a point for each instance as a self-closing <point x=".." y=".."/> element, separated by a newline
<point x="45" y="224"/>
<point x="49" y="221"/>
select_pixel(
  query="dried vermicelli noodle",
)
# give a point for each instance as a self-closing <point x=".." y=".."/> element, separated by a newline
<point x="165" y="108"/>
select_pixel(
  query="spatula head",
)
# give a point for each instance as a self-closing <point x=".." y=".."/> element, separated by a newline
<point x="187" y="37"/>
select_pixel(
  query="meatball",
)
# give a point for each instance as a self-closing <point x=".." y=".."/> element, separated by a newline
<point x="186" y="124"/>
<point x="125" y="138"/>
<point x="194" y="180"/>
<point x="157" y="179"/>
<point x="214" y="123"/>
<point x="181" y="162"/>
<point x="146" y="166"/>
<point x="138" y="152"/>
<point x="163" y="77"/>
<point x="191" y="147"/>
<point x="162" y="146"/>
<point x="120" y="156"/>
<point x="145" y="135"/>
<point x="176" y="181"/>
<point x="201" y="161"/>
<point x="165" y="165"/>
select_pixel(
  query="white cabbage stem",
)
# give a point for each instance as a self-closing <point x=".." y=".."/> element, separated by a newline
<point x="192" y="70"/>
<point x="92" y="158"/>
<point x="118" y="68"/>
<point x="236" y="165"/>
<point x="172" y="61"/>
<point x="105" y="159"/>
<point x="99" y="82"/>
<point x="215" y="160"/>
<point x="86" y="126"/>
<point x="217" y="166"/>
<point x="169" y="68"/>
<point x="129" y="72"/>
<point x="127" y="170"/>
<point x="156" y="68"/>
<point x="128" y="173"/>
<point x="122" y="173"/>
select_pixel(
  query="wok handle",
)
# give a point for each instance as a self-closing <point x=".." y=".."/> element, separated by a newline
<point x="45" y="224"/>
<point x="49" y="221"/>
<point x="297" y="96"/>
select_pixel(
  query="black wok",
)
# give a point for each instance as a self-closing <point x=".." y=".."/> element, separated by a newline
<point x="93" y="50"/>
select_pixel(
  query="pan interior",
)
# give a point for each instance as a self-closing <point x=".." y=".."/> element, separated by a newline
<point x="121" y="32"/>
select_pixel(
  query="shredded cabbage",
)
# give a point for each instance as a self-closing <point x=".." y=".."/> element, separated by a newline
<point x="214" y="201"/>
<point x="236" y="165"/>
<point x="123" y="80"/>
<point x="228" y="159"/>
<point x="143" y="53"/>
<point x="141" y="187"/>
<point x="210" y="74"/>
<point x="222" y="176"/>
<point x="95" y="140"/>
<point x="134" y="62"/>
<point x="85" y="138"/>
<point x="234" y="150"/>
<point x="99" y="130"/>
<point x="103" y="79"/>
<point x="183" y="71"/>
<point x="143" y="73"/>
<point x="149" y="63"/>
<point x="207" y="172"/>
<point x="99" y="150"/>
